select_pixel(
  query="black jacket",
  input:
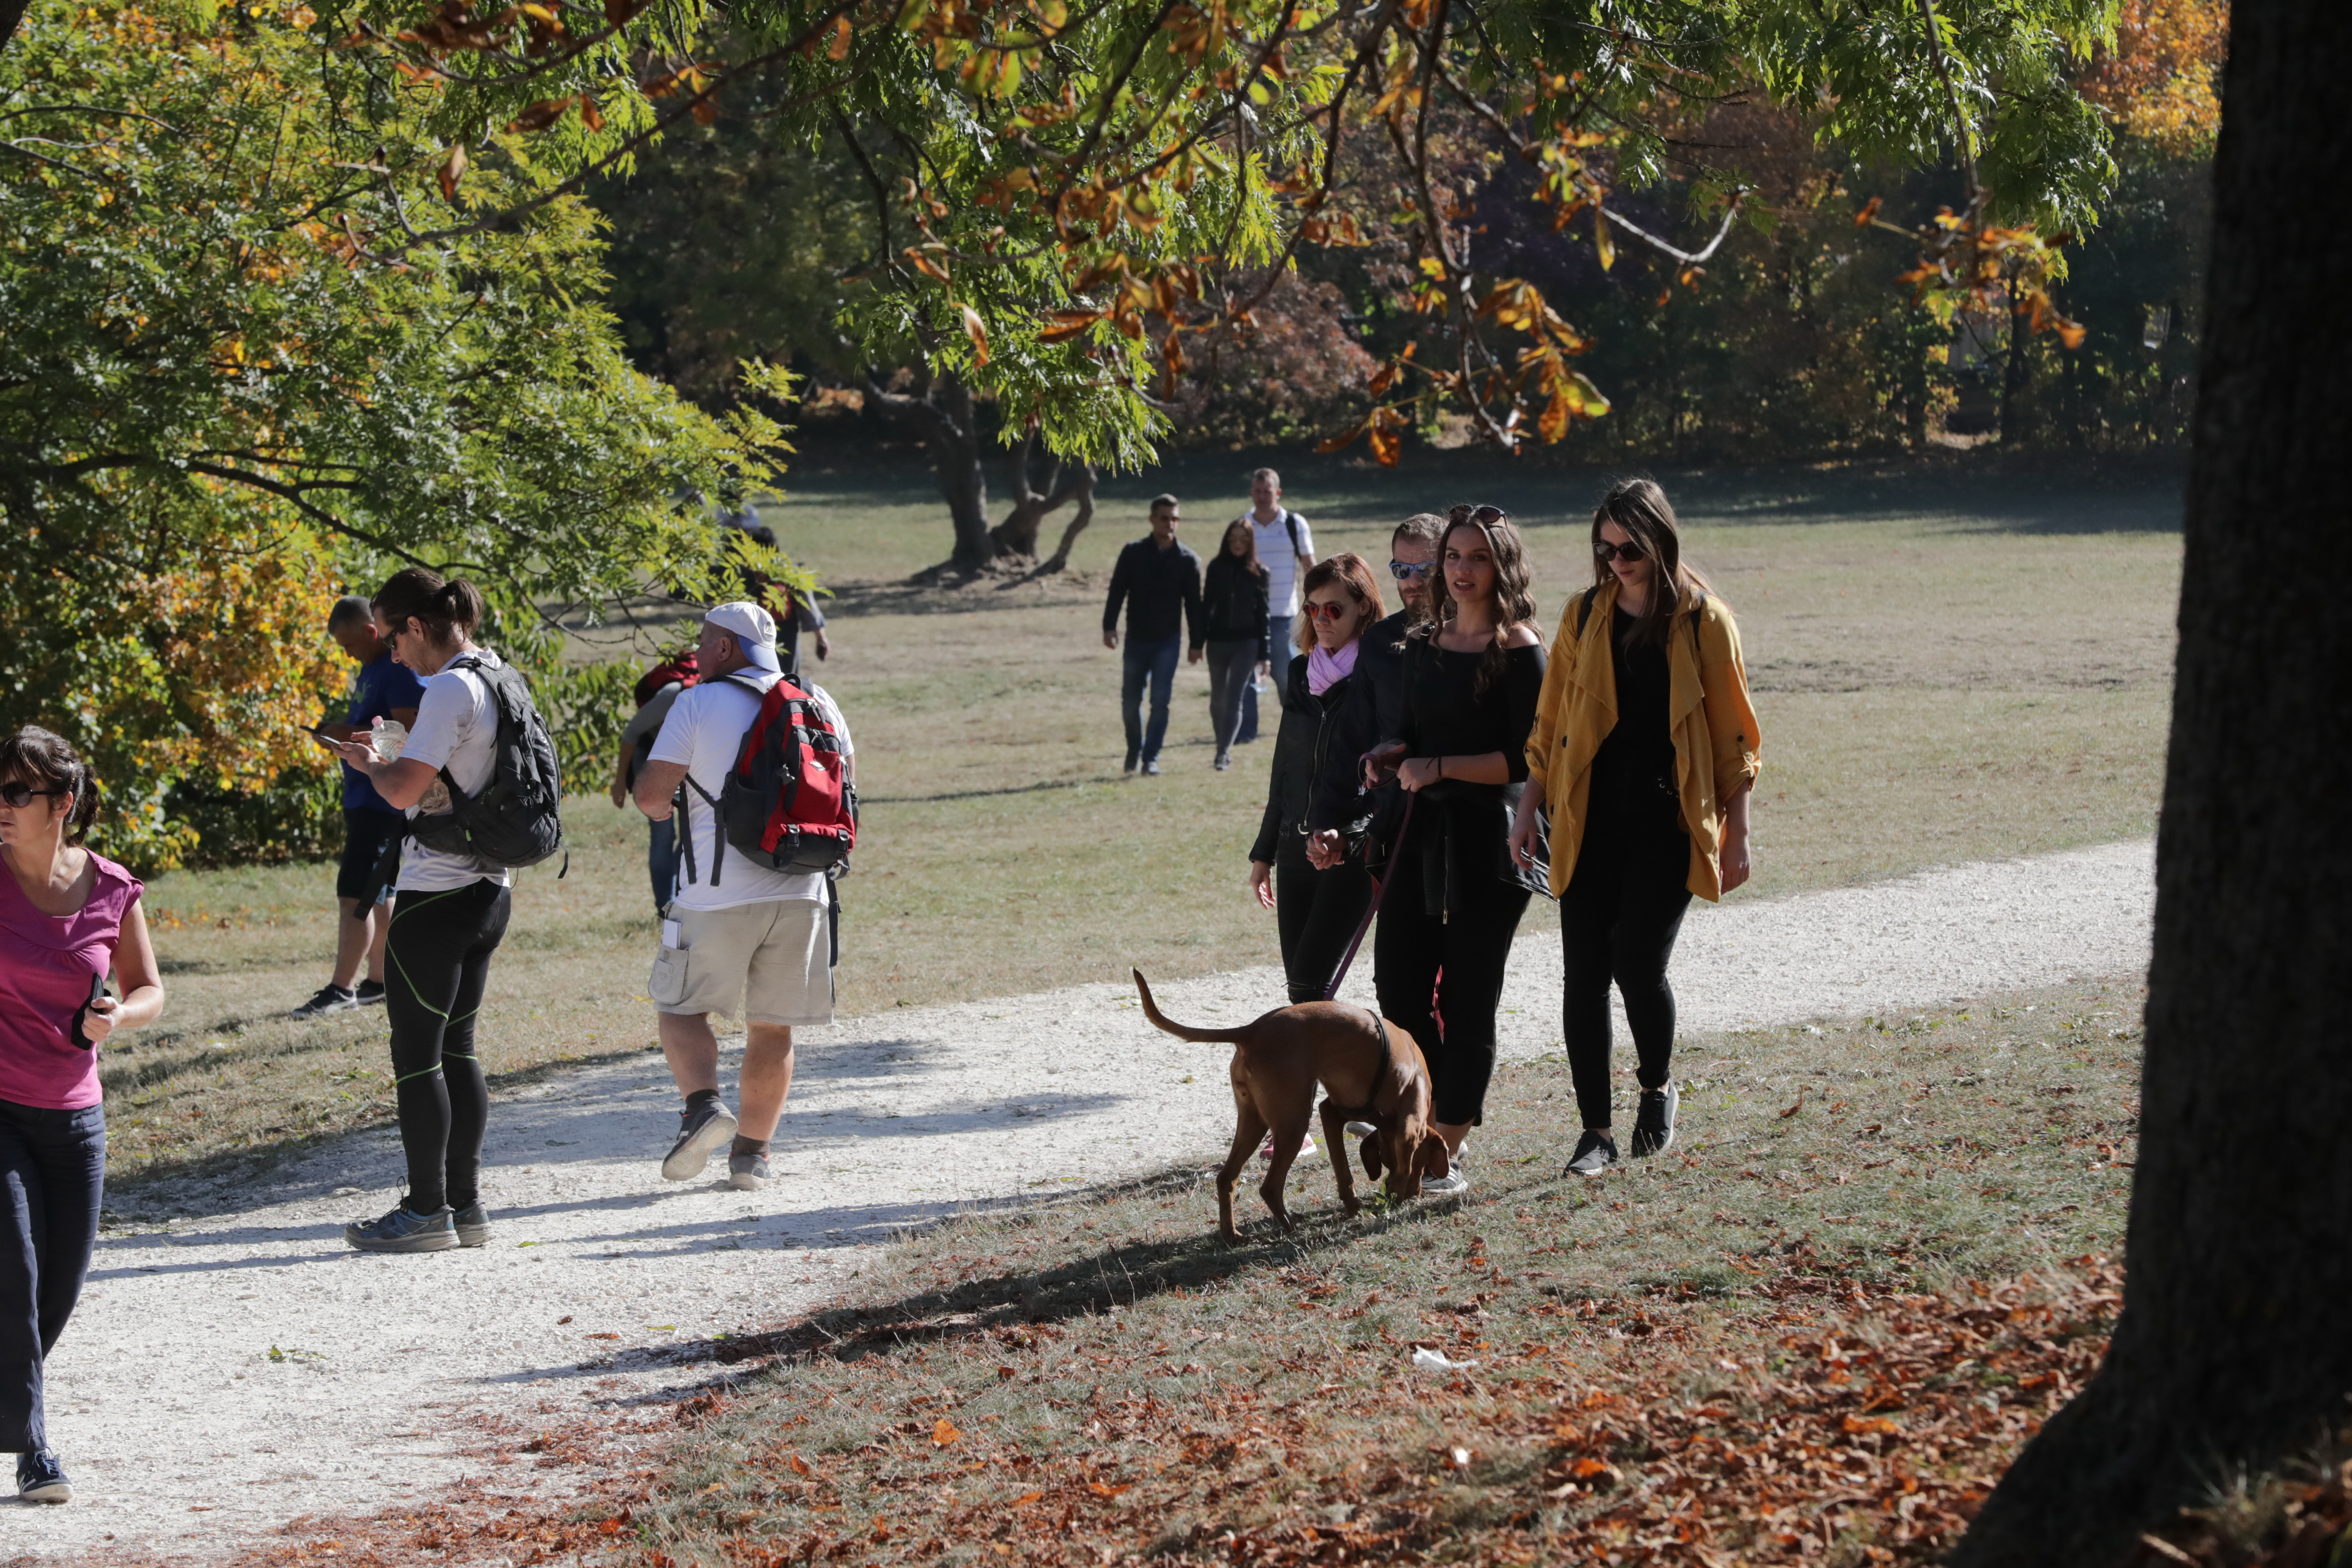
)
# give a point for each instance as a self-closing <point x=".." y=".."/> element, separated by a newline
<point x="1158" y="585"/>
<point x="1309" y="728"/>
<point x="1233" y="603"/>
<point x="1373" y="713"/>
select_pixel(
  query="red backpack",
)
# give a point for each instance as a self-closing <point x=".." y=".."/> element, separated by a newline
<point x="785" y="805"/>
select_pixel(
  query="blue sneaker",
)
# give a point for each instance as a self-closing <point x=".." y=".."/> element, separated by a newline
<point x="472" y="1223"/>
<point x="40" y="1477"/>
<point x="405" y="1230"/>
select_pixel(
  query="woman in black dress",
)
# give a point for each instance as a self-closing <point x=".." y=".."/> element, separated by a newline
<point x="1318" y="911"/>
<point x="1454" y="896"/>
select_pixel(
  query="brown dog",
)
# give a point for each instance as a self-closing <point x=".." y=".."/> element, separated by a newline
<point x="1372" y="1070"/>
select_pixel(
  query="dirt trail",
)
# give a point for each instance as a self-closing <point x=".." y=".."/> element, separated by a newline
<point x="234" y="1365"/>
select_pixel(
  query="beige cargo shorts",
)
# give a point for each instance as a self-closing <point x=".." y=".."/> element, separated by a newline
<point x="764" y="962"/>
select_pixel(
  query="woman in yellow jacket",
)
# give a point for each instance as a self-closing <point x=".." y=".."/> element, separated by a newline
<point x="1641" y="761"/>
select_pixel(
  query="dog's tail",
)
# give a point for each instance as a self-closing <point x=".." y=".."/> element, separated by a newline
<point x="1182" y="1031"/>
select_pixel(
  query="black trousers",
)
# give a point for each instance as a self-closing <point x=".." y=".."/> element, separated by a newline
<point x="1317" y="911"/>
<point x="437" y="964"/>
<point x="53" y="1168"/>
<point x="1618" y="921"/>
<point x="1440" y="980"/>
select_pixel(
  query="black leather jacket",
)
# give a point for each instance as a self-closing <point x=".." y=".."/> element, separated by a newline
<point x="1302" y="748"/>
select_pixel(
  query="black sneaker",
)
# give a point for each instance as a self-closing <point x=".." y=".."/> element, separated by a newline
<point x="1653" y="1124"/>
<point x="472" y="1225"/>
<point x="330" y="999"/>
<point x="1129" y="771"/>
<point x="747" y="1173"/>
<point x="1595" y="1152"/>
<point x="370" y="994"/>
<point x="41" y="1478"/>
<point x="404" y="1230"/>
<point x="699" y="1133"/>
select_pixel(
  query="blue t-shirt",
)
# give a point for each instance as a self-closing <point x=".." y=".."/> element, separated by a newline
<point x="379" y="687"/>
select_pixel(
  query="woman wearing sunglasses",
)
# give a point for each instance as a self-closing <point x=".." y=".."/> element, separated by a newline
<point x="68" y="916"/>
<point x="1317" y="911"/>
<point x="1453" y="897"/>
<point x="1642" y="762"/>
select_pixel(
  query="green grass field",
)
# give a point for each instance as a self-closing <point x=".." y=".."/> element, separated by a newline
<point x="1949" y="663"/>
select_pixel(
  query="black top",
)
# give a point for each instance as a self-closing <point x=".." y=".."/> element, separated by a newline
<point x="1156" y="584"/>
<point x="1463" y="830"/>
<point x="1634" y="771"/>
<point x="1308" y="722"/>
<point x="1233" y="603"/>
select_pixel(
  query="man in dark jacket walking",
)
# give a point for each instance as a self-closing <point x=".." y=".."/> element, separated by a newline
<point x="1160" y="582"/>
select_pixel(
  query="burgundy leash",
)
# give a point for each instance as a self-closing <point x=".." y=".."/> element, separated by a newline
<point x="1379" y="891"/>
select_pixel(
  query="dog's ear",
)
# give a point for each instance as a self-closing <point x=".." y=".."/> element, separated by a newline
<point x="1370" y="1148"/>
<point x="1430" y="1160"/>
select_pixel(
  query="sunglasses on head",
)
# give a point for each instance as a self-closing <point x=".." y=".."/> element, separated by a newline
<point x="1331" y="611"/>
<point x="1628" y="551"/>
<point x="1484" y="516"/>
<point x="16" y="791"/>
<point x="1406" y="570"/>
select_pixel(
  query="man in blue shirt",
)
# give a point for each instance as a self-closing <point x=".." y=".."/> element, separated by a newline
<point x="380" y="690"/>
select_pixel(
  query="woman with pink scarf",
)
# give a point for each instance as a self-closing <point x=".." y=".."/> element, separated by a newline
<point x="1317" y="911"/>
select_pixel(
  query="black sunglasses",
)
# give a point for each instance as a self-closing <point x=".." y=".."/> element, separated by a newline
<point x="1484" y="516"/>
<point x="1627" y="551"/>
<point x="16" y="791"/>
<point x="1406" y="570"/>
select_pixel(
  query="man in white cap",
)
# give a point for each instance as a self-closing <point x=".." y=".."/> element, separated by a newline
<point x="756" y="946"/>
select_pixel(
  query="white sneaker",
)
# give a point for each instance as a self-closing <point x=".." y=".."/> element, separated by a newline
<point x="1360" y="1130"/>
<point x="1455" y="1179"/>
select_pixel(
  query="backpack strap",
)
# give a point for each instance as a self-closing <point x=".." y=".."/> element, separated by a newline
<point x="1584" y="607"/>
<point x="679" y="808"/>
<point x="1290" y="524"/>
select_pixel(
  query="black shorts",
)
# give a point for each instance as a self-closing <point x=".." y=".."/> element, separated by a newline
<point x="367" y="833"/>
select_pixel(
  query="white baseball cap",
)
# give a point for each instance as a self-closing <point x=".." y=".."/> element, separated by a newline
<point x="753" y="629"/>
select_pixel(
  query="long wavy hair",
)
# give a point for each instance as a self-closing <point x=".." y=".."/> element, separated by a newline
<point x="1640" y="506"/>
<point x="1353" y="573"/>
<point x="1515" y="599"/>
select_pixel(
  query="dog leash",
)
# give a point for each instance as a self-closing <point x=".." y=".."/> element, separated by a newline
<point x="1379" y="891"/>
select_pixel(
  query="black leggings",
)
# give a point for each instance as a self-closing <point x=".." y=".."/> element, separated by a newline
<point x="1427" y="969"/>
<point x="1618" y="921"/>
<point x="436" y="962"/>
<point x="1317" y="911"/>
<point x="52" y="1179"/>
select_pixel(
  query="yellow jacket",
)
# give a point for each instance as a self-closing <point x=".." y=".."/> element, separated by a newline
<point x="1716" y="740"/>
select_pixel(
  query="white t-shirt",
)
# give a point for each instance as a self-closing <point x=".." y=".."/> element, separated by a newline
<point x="1276" y="554"/>
<point x="705" y="730"/>
<point x="456" y="728"/>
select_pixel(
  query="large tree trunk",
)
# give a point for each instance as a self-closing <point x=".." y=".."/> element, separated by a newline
<point x="2013" y="373"/>
<point x="2235" y="1343"/>
<point x="945" y="417"/>
<point x="1016" y="537"/>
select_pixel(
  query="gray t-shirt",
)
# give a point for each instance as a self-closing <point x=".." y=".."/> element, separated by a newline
<point x="456" y="728"/>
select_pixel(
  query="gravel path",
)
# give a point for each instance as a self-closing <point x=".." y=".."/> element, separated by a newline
<point x="235" y="1366"/>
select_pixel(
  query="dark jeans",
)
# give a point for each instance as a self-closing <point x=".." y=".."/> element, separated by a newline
<point x="54" y="1165"/>
<point x="1441" y="981"/>
<point x="435" y="967"/>
<point x="661" y="861"/>
<point x="1277" y="639"/>
<point x="1618" y="921"/>
<point x="1232" y="665"/>
<point x="1155" y="658"/>
<point x="1317" y="912"/>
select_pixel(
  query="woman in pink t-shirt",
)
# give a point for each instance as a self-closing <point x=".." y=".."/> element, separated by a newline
<point x="67" y="918"/>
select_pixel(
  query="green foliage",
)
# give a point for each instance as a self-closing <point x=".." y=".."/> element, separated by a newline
<point x="218" y="407"/>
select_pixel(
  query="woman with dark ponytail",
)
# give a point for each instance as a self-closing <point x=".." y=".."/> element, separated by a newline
<point x="450" y="916"/>
<point x="68" y="916"/>
<point x="1642" y="761"/>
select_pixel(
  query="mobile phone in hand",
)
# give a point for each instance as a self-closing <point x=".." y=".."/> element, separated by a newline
<point x="97" y="994"/>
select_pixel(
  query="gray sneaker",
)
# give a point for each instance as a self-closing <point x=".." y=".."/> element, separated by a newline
<point x="1455" y="1180"/>
<point x="699" y="1134"/>
<point x="747" y="1173"/>
<point x="1595" y="1152"/>
<point x="404" y="1230"/>
<point x="472" y="1223"/>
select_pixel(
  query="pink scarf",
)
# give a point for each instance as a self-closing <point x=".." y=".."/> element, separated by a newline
<point x="1326" y="670"/>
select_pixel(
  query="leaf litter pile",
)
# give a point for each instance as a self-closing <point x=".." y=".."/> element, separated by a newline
<point x="1813" y="1331"/>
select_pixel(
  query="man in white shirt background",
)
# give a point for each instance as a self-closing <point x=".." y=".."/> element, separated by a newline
<point x="1285" y="548"/>
<point x="756" y="944"/>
